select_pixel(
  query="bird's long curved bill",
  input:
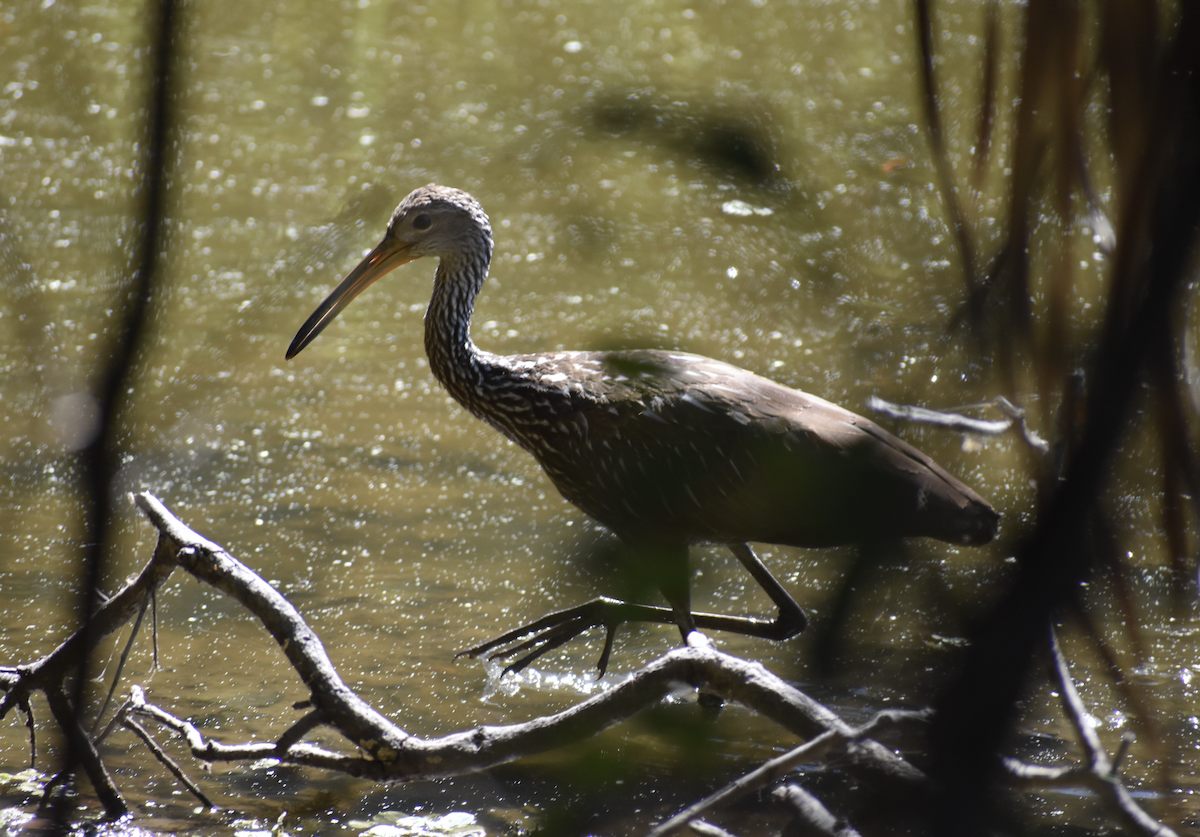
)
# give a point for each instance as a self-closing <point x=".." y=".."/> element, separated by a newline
<point x="388" y="255"/>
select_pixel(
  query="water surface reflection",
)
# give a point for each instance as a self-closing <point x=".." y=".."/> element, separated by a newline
<point x="749" y="181"/>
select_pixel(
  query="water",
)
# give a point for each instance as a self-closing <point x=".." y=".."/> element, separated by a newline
<point x="744" y="180"/>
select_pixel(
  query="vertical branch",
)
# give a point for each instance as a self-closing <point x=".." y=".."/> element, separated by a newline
<point x="1180" y="467"/>
<point x="1042" y="59"/>
<point x="1160" y="219"/>
<point x="1061" y="93"/>
<point x="99" y="458"/>
<point x="86" y="757"/>
<point x="933" y="119"/>
<point x="988" y="85"/>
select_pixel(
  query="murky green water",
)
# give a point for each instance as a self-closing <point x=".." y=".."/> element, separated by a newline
<point x="746" y="180"/>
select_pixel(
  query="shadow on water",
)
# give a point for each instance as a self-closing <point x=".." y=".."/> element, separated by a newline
<point x="401" y="546"/>
<point x="729" y="141"/>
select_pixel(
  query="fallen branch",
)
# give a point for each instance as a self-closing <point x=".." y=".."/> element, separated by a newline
<point x="392" y="753"/>
<point x="382" y="750"/>
<point x="1099" y="774"/>
<point x="811" y="813"/>
<point x="832" y="743"/>
<point x="965" y="424"/>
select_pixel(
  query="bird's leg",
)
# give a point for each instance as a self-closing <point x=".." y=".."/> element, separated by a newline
<point x="790" y="621"/>
<point x="792" y="618"/>
<point x="665" y="565"/>
<point x="674" y="579"/>
<point x="560" y="627"/>
<point x="670" y="565"/>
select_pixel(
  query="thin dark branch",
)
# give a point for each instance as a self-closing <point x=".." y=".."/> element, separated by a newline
<point x="820" y="748"/>
<point x="976" y="710"/>
<point x="988" y="92"/>
<point x="27" y="708"/>
<point x="120" y="667"/>
<point x="167" y="762"/>
<point x="88" y="758"/>
<point x="933" y="118"/>
<point x="810" y="814"/>
<point x="301" y="728"/>
<point x="154" y="628"/>
<point x="99" y="458"/>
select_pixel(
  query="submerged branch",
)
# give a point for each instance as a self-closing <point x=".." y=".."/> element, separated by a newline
<point x="964" y="424"/>
<point x="395" y="754"/>
<point x="1101" y="771"/>
<point x="827" y="745"/>
<point x="381" y="750"/>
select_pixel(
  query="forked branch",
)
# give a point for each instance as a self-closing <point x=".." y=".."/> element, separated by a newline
<point x="379" y="749"/>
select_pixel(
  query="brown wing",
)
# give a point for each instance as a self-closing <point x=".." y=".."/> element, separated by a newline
<point x="678" y="446"/>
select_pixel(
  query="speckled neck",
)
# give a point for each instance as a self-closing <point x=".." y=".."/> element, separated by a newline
<point x="454" y="358"/>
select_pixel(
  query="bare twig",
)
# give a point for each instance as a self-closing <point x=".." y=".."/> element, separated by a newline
<point x="51" y="671"/>
<point x="301" y="728"/>
<point x="1100" y="773"/>
<point x="1076" y="712"/>
<point x="964" y="424"/>
<point x="120" y="666"/>
<point x="1018" y="415"/>
<point x="707" y="829"/>
<point x="821" y="747"/>
<point x="114" y="723"/>
<point x="86" y="755"/>
<point x="167" y="762"/>
<point x="211" y="564"/>
<point x="811" y="813"/>
<point x="1127" y="741"/>
<point x="395" y="754"/>
<point x="949" y="421"/>
<point x="385" y="752"/>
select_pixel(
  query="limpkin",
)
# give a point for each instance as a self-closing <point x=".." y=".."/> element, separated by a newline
<point x="665" y="449"/>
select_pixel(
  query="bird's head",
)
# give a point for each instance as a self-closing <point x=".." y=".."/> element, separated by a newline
<point x="432" y="221"/>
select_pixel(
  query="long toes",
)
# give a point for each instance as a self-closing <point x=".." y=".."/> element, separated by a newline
<point x="500" y="641"/>
<point x="609" y="635"/>
<point x="545" y="647"/>
<point x="555" y="629"/>
<point x="485" y="647"/>
<point x="542" y="641"/>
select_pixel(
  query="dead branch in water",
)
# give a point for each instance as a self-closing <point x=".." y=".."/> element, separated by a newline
<point x="381" y="750"/>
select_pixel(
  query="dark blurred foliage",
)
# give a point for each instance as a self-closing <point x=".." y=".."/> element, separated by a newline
<point x="1143" y="60"/>
<point x="729" y="142"/>
<point x="99" y="456"/>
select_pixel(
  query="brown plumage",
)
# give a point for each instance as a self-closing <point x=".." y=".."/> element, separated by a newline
<point x="666" y="449"/>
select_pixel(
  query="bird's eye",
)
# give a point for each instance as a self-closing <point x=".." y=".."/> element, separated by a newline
<point x="422" y="222"/>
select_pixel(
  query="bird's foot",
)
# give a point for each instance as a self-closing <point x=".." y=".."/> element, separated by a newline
<point x="556" y="629"/>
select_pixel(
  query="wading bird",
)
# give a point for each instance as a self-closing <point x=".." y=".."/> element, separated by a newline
<point x="665" y="449"/>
